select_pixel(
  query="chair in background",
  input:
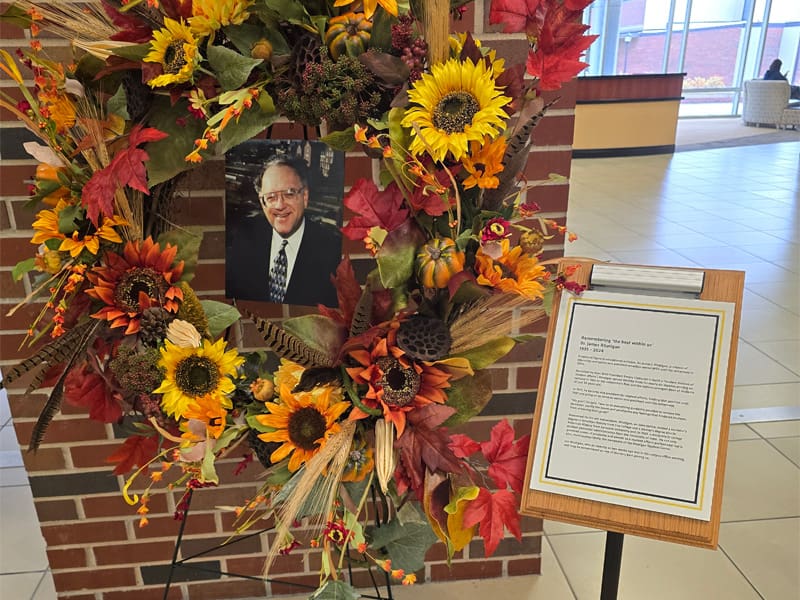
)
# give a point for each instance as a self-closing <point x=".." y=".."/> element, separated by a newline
<point x="767" y="103"/>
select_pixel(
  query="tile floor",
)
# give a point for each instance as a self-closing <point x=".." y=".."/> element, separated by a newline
<point x="731" y="208"/>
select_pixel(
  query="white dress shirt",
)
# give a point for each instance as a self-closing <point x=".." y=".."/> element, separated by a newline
<point x="292" y="248"/>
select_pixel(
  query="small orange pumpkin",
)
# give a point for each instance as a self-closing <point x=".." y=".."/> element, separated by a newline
<point x="49" y="183"/>
<point x="348" y="34"/>
<point x="437" y="261"/>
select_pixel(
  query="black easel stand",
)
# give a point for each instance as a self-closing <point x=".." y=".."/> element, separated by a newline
<point x="612" y="562"/>
<point x="185" y="564"/>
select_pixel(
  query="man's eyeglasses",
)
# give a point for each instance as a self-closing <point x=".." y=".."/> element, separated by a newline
<point x="287" y="195"/>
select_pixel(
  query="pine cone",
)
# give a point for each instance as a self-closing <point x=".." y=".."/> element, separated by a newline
<point x="153" y="325"/>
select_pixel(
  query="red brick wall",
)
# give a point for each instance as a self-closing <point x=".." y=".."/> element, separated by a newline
<point x="95" y="548"/>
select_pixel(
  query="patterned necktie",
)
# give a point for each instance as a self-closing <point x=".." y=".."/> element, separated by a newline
<point x="277" y="275"/>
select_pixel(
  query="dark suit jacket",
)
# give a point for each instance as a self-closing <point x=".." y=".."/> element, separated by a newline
<point x="247" y="262"/>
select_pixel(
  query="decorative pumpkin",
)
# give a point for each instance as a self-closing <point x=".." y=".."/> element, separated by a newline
<point x="348" y="34"/>
<point x="437" y="261"/>
<point x="49" y="183"/>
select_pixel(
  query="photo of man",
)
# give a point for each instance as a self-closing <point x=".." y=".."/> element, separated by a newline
<point x="283" y="212"/>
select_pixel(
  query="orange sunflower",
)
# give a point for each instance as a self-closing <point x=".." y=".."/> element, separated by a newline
<point x="142" y="277"/>
<point x="209" y="410"/>
<point x="483" y="162"/>
<point x="303" y="422"/>
<point x="397" y="384"/>
<point x="514" y="271"/>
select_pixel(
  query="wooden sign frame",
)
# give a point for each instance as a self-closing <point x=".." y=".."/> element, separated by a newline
<point x="719" y="285"/>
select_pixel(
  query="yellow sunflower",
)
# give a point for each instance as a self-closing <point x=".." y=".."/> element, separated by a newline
<point x="456" y="103"/>
<point x="46" y="224"/>
<point x="303" y="422"/>
<point x="91" y="241"/>
<point x="514" y="272"/>
<point x="484" y="162"/>
<point x="210" y="15"/>
<point x="288" y="374"/>
<point x="389" y="6"/>
<point x="193" y="373"/>
<point x="175" y="49"/>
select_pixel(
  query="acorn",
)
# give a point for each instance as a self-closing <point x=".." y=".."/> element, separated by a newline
<point x="532" y="242"/>
<point x="261" y="49"/>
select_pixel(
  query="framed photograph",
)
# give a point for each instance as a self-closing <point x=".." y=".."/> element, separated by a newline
<point x="283" y="213"/>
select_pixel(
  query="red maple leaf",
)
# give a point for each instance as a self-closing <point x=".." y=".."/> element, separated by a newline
<point x="348" y="291"/>
<point x="493" y="511"/>
<point x="560" y="43"/>
<point x="513" y="14"/>
<point x="130" y="27"/>
<point x="507" y="458"/>
<point x="136" y="451"/>
<point x="84" y="387"/>
<point x="424" y="197"/>
<point x="424" y="444"/>
<point x="126" y="168"/>
<point x="555" y="31"/>
<point x="463" y="446"/>
<point x="374" y="208"/>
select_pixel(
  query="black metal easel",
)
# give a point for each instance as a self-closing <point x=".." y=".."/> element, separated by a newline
<point x="185" y="564"/>
<point x="612" y="562"/>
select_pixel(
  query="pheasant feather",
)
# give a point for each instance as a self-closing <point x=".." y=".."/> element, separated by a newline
<point x="57" y="351"/>
<point x="288" y="346"/>
<point x="53" y="403"/>
<point x="514" y="160"/>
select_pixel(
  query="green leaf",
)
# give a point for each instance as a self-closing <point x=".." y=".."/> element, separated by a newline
<point x="291" y="10"/>
<point x="16" y="16"/>
<point x="335" y="590"/>
<point x="396" y="255"/>
<point x="134" y="52"/>
<point x="188" y="242"/>
<point x="207" y="468"/>
<point x="229" y="435"/>
<point x="231" y="68"/>
<point x="22" y="267"/>
<point x="341" y="140"/>
<point x="167" y="155"/>
<point x="220" y="316"/>
<point x="406" y="543"/>
<point x="251" y="122"/>
<point x="281" y="475"/>
<point x="67" y="217"/>
<point x="319" y="332"/>
<point x="489" y="353"/>
<point x="468" y="395"/>
<point x="381" y="34"/>
<point x="548" y="299"/>
<point x="243" y="36"/>
<point x="118" y="104"/>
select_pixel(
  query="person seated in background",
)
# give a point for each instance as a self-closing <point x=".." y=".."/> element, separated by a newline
<point x="774" y="74"/>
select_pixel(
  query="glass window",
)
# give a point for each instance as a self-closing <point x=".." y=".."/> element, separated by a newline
<point x="725" y="43"/>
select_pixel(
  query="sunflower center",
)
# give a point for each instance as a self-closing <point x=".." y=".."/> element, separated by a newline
<point x="306" y="426"/>
<point x="174" y="57"/>
<point x="136" y="281"/>
<point x="197" y="375"/>
<point x="400" y="384"/>
<point x="455" y="111"/>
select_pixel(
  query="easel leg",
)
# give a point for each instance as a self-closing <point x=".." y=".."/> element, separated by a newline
<point x="178" y="543"/>
<point x="612" y="562"/>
